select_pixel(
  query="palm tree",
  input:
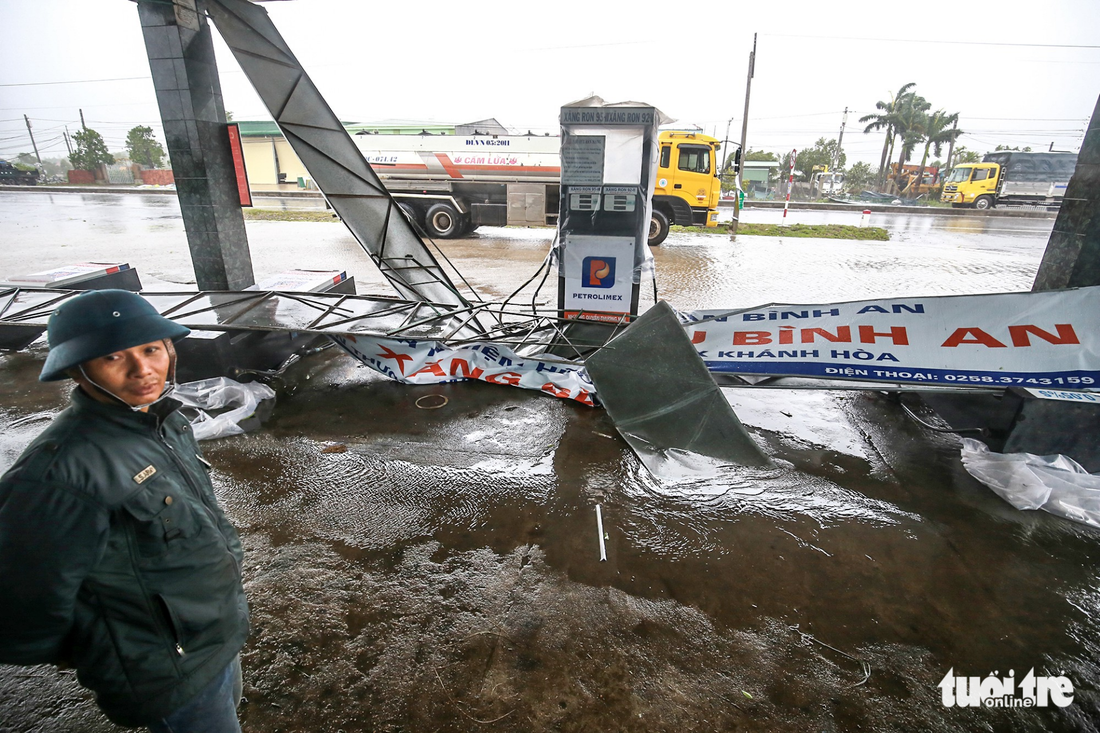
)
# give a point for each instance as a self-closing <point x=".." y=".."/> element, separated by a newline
<point x="884" y="120"/>
<point x="910" y="120"/>
<point x="941" y="128"/>
<point x="910" y="123"/>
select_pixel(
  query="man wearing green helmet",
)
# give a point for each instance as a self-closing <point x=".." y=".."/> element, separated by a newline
<point x="115" y="557"/>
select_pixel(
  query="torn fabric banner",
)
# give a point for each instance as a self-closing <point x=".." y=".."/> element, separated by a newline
<point x="429" y="362"/>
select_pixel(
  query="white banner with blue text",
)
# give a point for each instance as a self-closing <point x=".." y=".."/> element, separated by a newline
<point x="1044" y="339"/>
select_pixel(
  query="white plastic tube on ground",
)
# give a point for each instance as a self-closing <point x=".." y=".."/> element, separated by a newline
<point x="599" y="528"/>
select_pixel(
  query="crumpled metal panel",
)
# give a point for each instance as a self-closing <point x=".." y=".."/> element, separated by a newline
<point x="660" y="395"/>
<point x="328" y="153"/>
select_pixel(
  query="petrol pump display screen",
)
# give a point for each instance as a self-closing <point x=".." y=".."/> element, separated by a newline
<point x="582" y="159"/>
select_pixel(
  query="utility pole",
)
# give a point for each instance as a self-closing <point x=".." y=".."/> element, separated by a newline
<point x="726" y="144"/>
<point x="744" y="134"/>
<point x="840" y="140"/>
<point x="82" y="125"/>
<point x="33" y="144"/>
<point x="68" y="144"/>
<point x="950" y="149"/>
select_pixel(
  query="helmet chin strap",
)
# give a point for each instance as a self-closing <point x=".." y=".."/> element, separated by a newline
<point x="169" y="384"/>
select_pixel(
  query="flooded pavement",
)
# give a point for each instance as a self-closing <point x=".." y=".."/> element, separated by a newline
<point x="422" y="570"/>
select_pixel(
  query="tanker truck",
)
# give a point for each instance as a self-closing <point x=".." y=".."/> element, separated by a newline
<point x="452" y="184"/>
<point x="1010" y="177"/>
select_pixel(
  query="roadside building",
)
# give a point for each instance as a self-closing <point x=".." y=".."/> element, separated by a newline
<point x="758" y="177"/>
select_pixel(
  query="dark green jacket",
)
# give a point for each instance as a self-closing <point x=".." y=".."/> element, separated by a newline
<point x="116" y="559"/>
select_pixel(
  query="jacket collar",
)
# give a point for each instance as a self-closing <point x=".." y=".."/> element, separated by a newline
<point x="83" y="404"/>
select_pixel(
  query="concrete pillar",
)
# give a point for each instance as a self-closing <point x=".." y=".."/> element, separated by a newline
<point x="185" y="76"/>
<point x="1072" y="257"/>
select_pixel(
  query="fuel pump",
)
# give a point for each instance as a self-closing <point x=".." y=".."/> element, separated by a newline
<point x="609" y="162"/>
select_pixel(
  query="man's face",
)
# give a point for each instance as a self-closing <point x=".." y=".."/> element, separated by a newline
<point x="136" y="375"/>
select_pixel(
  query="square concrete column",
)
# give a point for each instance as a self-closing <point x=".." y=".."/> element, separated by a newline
<point x="185" y="76"/>
<point x="1072" y="257"/>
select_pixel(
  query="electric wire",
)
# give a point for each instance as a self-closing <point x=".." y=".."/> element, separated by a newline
<point x="940" y="42"/>
<point x="545" y="264"/>
<point x="933" y="428"/>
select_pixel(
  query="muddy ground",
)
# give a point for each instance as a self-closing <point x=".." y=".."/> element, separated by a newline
<point x="438" y="569"/>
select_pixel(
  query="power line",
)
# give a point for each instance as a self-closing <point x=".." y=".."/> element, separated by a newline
<point x="86" y="106"/>
<point x="949" y="43"/>
<point x="74" y="81"/>
<point x="1030" y="119"/>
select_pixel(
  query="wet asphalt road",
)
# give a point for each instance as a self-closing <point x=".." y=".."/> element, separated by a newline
<point x="420" y="570"/>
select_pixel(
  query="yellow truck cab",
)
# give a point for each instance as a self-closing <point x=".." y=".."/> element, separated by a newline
<point x="687" y="188"/>
<point x="1011" y="177"/>
<point x="973" y="184"/>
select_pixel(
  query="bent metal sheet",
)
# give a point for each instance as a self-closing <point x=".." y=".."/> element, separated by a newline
<point x="1044" y="339"/>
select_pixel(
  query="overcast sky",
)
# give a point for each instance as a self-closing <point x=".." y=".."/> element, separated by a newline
<point x="1019" y="73"/>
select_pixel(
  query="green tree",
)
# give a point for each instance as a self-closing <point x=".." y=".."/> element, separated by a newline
<point x="911" y="123"/>
<point x="143" y="148"/>
<point x="760" y="155"/>
<point x="26" y="159"/>
<point x="751" y="155"/>
<point x="91" y="151"/>
<point x="884" y="120"/>
<point x="859" y="177"/>
<point x="821" y="156"/>
<point x="940" y="128"/>
<point x="1015" y="149"/>
<point x="962" y="156"/>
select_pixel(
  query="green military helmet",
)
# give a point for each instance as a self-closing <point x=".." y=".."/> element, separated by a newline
<point x="100" y="322"/>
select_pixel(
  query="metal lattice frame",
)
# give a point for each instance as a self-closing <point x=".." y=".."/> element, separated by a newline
<point x="337" y="166"/>
<point x="323" y="314"/>
<point x="27" y="310"/>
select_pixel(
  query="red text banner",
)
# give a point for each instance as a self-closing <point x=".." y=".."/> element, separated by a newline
<point x="428" y="362"/>
<point x="1045" y="339"/>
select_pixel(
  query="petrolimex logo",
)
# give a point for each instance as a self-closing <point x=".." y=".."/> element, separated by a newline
<point x="597" y="272"/>
<point x="1005" y="692"/>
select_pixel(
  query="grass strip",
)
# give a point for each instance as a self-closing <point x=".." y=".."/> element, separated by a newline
<point x="816" y="231"/>
<point x="288" y="215"/>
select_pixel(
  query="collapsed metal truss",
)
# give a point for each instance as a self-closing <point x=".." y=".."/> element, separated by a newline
<point x="325" y="314"/>
<point x="337" y="166"/>
<point x="24" y="313"/>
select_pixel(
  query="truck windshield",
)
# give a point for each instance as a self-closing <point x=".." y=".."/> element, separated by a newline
<point x="958" y="175"/>
<point x="694" y="158"/>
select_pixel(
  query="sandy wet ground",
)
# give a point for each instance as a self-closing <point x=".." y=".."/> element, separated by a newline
<point x="419" y="570"/>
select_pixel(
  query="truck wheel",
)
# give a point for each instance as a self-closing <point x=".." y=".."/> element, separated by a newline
<point x="658" y="228"/>
<point x="983" y="202"/>
<point x="444" y="221"/>
<point x="413" y="216"/>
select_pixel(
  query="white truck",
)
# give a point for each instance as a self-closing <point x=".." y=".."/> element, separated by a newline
<point x="451" y="184"/>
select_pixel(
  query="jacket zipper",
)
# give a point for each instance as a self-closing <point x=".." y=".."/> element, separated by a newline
<point x="171" y="620"/>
